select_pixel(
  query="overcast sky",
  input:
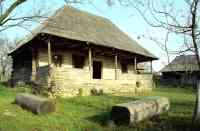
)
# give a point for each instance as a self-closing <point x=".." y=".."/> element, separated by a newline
<point x="126" y="18"/>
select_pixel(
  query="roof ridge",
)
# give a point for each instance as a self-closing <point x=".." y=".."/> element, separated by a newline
<point x="86" y="12"/>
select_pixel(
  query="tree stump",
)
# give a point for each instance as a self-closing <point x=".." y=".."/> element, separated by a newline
<point x="136" y="111"/>
<point x="35" y="104"/>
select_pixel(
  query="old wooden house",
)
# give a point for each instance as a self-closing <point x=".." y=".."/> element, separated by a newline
<point x="182" y="71"/>
<point x="75" y="50"/>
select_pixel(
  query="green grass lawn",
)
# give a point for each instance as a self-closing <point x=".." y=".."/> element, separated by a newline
<point x="91" y="113"/>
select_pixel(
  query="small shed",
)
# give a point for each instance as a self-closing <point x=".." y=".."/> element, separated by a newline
<point x="182" y="71"/>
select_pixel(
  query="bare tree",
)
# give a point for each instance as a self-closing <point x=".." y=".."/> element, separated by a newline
<point x="5" y="60"/>
<point x="9" y="18"/>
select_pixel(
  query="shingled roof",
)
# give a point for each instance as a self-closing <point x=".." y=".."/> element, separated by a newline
<point x="182" y="63"/>
<point x="72" y="23"/>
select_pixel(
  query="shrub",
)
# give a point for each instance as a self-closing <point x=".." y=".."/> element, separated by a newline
<point x="138" y="84"/>
<point x="96" y="92"/>
<point x="80" y="92"/>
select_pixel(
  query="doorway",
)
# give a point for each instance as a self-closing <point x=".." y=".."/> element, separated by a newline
<point x="97" y="69"/>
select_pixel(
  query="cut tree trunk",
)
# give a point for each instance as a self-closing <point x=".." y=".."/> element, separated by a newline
<point x="35" y="104"/>
<point x="136" y="111"/>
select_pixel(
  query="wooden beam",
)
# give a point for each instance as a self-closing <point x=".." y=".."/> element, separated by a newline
<point x="116" y="65"/>
<point x="90" y="61"/>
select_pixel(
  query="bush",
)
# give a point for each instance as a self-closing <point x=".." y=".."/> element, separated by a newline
<point x="138" y="84"/>
<point x="96" y="92"/>
<point x="80" y="92"/>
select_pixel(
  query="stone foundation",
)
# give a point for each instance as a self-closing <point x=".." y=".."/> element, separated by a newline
<point x="119" y="87"/>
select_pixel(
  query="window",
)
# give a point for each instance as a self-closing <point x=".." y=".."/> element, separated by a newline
<point x="78" y="61"/>
<point x="57" y="60"/>
<point x="124" y="67"/>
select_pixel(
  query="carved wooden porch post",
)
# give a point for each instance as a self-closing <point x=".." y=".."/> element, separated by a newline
<point x="49" y="67"/>
<point x="116" y="65"/>
<point x="49" y="52"/>
<point x="90" y="59"/>
<point x="135" y="64"/>
<point x="34" y="65"/>
<point x="151" y="67"/>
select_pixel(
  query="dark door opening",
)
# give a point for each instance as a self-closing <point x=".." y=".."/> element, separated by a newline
<point x="97" y="67"/>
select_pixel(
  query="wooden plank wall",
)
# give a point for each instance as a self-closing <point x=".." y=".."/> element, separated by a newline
<point x="68" y="80"/>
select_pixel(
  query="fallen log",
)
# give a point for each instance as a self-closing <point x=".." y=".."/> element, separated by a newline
<point x="35" y="104"/>
<point x="136" y="111"/>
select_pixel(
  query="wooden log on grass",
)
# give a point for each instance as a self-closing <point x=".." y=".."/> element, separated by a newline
<point x="136" y="111"/>
<point x="35" y="104"/>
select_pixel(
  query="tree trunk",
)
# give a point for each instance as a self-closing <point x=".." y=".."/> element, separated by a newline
<point x="136" y="111"/>
<point x="194" y="40"/>
<point x="35" y="104"/>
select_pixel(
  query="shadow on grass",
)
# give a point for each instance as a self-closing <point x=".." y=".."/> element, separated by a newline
<point x="164" y="122"/>
<point x="182" y="123"/>
<point x="101" y="118"/>
<point x="154" y="124"/>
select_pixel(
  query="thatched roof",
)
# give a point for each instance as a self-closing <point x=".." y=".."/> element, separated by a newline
<point x="182" y="63"/>
<point x="72" y="23"/>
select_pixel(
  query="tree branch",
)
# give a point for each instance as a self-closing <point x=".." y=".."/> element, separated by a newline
<point x="9" y="10"/>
